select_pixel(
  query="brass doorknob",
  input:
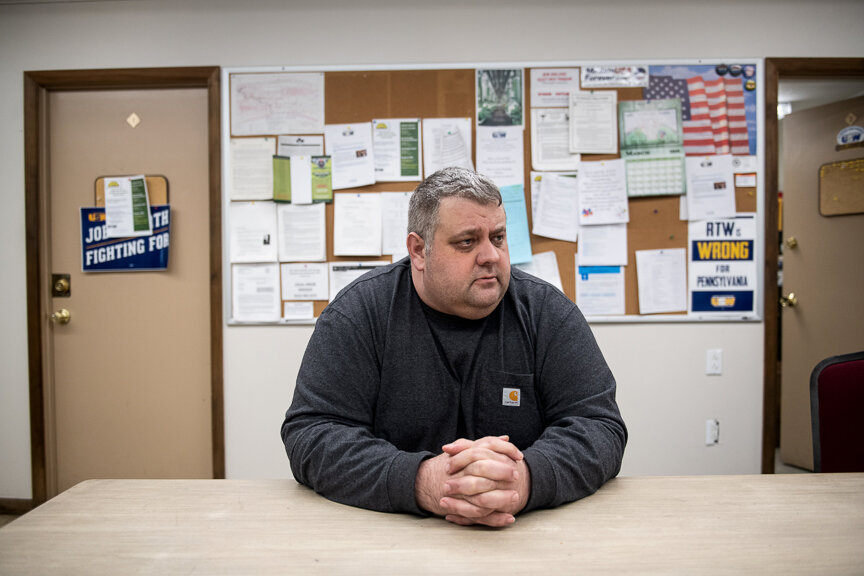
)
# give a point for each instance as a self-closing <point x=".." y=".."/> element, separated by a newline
<point x="61" y="316"/>
<point x="789" y="301"/>
<point x="792" y="242"/>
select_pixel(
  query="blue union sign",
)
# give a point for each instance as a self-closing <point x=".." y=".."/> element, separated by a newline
<point x="101" y="254"/>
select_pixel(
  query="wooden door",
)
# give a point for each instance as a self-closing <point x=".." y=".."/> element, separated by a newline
<point x="129" y="384"/>
<point x="823" y="267"/>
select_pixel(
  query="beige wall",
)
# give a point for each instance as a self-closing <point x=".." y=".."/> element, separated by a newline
<point x="664" y="394"/>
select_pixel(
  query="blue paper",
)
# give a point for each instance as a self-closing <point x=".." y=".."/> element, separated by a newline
<point x="518" y="236"/>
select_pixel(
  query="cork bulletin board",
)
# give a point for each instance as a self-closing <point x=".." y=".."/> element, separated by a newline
<point x="357" y="95"/>
<point x="841" y="188"/>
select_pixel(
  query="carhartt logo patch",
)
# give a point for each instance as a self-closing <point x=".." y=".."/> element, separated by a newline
<point x="510" y="397"/>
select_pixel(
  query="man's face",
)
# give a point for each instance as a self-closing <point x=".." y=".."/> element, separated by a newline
<point x="467" y="269"/>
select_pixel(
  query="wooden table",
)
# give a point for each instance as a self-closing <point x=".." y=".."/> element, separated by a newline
<point x="789" y="524"/>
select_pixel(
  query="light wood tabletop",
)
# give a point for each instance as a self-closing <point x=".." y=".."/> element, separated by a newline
<point x="789" y="524"/>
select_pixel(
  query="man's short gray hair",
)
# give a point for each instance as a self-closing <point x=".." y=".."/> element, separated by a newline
<point x="446" y="183"/>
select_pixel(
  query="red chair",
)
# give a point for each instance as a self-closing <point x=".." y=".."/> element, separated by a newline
<point x="836" y="408"/>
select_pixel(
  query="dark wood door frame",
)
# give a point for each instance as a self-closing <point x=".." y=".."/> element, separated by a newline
<point x="775" y="70"/>
<point x="37" y="85"/>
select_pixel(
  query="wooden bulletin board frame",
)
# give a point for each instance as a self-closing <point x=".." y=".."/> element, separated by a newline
<point x="360" y="93"/>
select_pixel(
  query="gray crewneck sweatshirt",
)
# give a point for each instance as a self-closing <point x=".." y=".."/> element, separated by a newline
<point x="386" y="381"/>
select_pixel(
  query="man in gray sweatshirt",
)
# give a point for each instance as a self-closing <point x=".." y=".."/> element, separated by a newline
<point x="450" y="384"/>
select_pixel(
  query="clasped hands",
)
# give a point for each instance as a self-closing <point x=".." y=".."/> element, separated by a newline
<point x="484" y="481"/>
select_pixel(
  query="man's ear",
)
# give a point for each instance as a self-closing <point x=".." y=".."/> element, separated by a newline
<point x="416" y="250"/>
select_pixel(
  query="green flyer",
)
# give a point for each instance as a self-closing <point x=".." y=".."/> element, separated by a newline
<point x="322" y="179"/>
<point x="281" y="178"/>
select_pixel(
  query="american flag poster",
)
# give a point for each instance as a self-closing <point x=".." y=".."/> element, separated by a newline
<point x="718" y="106"/>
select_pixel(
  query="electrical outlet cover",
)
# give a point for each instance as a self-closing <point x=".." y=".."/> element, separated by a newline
<point x="714" y="361"/>
<point x="712" y="432"/>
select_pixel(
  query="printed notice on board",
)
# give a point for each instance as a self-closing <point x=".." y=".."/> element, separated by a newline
<point x="302" y="232"/>
<point x="551" y="87"/>
<point x="304" y="145"/>
<point x="661" y="280"/>
<point x="499" y="154"/>
<point x="304" y="281"/>
<point x="600" y="289"/>
<point x="277" y="103"/>
<point x="357" y="224"/>
<point x="446" y="142"/>
<point x="394" y="222"/>
<point x="351" y="154"/>
<point x="603" y="193"/>
<point x="127" y="207"/>
<point x="398" y="149"/>
<point x="255" y="292"/>
<point x="603" y="245"/>
<point x="615" y="77"/>
<point x="722" y="271"/>
<point x="252" y="232"/>
<point x="251" y="174"/>
<point x="550" y="140"/>
<point x="710" y="187"/>
<point x="594" y="122"/>
<point x="558" y="208"/>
